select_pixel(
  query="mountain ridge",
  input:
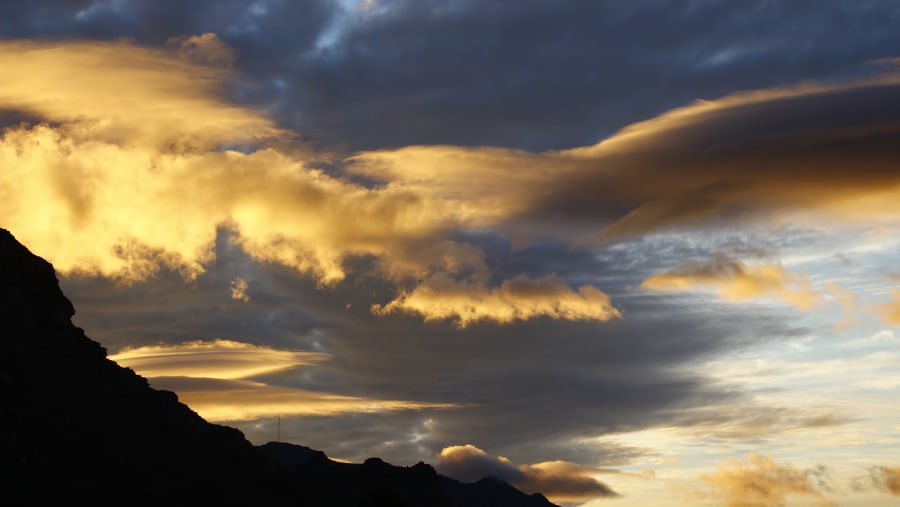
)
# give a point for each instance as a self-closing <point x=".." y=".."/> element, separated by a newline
<point x="76" y="425"/>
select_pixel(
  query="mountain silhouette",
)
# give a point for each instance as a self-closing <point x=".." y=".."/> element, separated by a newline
<point x="76" y="426"/>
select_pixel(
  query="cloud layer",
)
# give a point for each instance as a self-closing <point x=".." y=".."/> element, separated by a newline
<point x="215" y="379"/>
<point x="136" y="184"/>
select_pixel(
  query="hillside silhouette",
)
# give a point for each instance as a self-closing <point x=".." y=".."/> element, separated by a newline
<point x="76" y="426"/>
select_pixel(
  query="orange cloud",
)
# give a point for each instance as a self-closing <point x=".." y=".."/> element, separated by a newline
<point x="735" y="281"/>
<point x="210" y="377"/>
<point x="561" y="481"/>
<point x="204" y="49"/>
<point x="125" y="95"/>
<point x="760" y="482"/>
<point x="886" y="479"/>
<point x="219" y="359"/>
<point x="890" y="311"/>
<point x="130" y="173"/>
<point x="244" y="400"/>
<point x="521" y="298"/>
<point x="239" y="289"/>
<point x="764" y="156"/>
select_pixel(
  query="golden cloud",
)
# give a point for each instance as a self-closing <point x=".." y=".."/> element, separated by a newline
<point x="218" y="359"/>
<point x="766" y="155"/>
<point x="521" y="298"/>
<point x="890" y="311"/>
<point x="506" y="179"/>
<point x="886" y="479"/>
<point x="561" y="481"/>
<point x="243" y="400"/>
<point x="125" y="95"/>
<point x="761" y="482"/>
<point x="735" y="281"/>
<point x="204" y="49"/>
<point x="211" y="376"/>
<point x="129" y="172"/>
<point x="239" y="289"/>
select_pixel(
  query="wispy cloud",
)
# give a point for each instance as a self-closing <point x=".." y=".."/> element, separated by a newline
<point x="245" y="400"/>
<point x="890" y="311"/>
<point x="239" y="289"/>
<point x="886" y="478"/>
<point x="213" y="379"/>
<point x="735" y="281"/>
<point x="219" y="359"/>
<point x="761" y="482"/>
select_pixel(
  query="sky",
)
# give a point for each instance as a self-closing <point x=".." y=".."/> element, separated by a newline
<point x="621" y="253"/>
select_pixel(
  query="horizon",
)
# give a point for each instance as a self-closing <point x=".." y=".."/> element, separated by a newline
<point x="616" y="253"/>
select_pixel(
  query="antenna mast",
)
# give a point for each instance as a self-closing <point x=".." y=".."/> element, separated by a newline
<point x="278" y="430"/>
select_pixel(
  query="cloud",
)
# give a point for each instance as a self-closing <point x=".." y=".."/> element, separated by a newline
<point x="243" y="400"/>
<point x="127" y="95"/>
<point x="204" y="49"/>
<point x="886" y="479"/>
<point x="890" y="311"/>
<point x="135" y="169"/>
<point x="751" y="421"/>
<point x="131" y="182"/>
<point x="211" y="378"/>
<point x="561" y="481"/>
<point x="543" y="64"/>
<point x="520" y="298"/>
<point x="468" y="463"/>
<point x="510" y="391"/>
<point x="538" y="64"/>
<point x="219" y="359"/>
<point x="735" y="281"/>
<point x="758" y="156"/>
<point x="884" y="339"/>
<point x="239" y="289"/>
<point x="769" y="157"/>
<point x="761" y="482"/>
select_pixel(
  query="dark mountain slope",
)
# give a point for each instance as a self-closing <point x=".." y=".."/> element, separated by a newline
<point x="488" y="492"/>
<point x="375" y="479"/>
<point x="75" y="426"/>
<point x="373" y="482"/>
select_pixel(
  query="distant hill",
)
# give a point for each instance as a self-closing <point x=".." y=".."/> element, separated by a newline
<point x="75" y="426"/>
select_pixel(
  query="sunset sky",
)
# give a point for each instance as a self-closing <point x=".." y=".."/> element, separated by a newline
<point x="623" y="253"/>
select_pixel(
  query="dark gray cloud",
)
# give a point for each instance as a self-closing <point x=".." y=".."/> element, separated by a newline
<point x="548" y="75"/>
<point x="256" y="27"/>
<point x="537" y="75"/>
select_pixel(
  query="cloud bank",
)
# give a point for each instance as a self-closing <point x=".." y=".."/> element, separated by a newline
<point x="137" y="163"/>
<point x="132" y="181"/>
